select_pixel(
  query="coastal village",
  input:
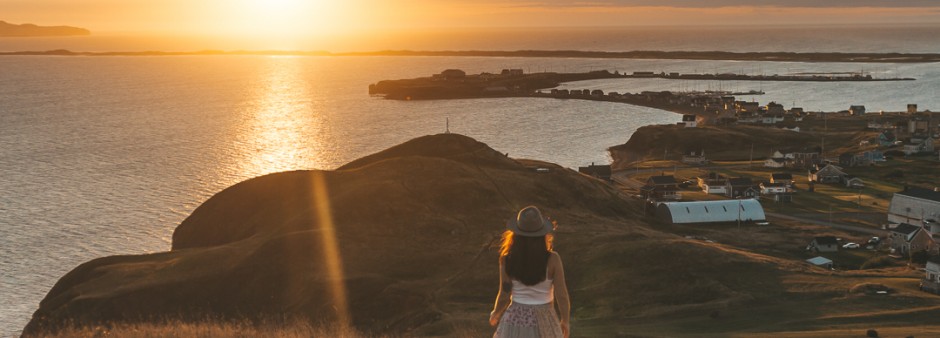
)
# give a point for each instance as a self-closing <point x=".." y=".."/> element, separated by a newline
<point x="855" y="182"/>
<point x="698" y="190"/>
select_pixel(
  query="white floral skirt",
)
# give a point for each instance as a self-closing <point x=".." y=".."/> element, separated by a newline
<point x="529" y="321"/>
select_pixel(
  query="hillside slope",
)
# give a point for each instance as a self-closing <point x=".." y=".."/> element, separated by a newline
<point x="415" y="229"/>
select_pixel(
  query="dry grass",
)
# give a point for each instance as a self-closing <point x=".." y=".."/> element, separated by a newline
<point x="291" y="329"/>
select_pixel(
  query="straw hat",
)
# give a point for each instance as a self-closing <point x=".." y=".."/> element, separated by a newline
<point x="530" y="222"/>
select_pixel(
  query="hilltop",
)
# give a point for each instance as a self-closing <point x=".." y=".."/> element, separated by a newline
<point x="416" y="228"/>
<point x="28" y="30"/>
<point x="734" y="143"/>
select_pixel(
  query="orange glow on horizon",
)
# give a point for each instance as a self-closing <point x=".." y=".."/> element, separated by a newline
<point x="314" y="24"/>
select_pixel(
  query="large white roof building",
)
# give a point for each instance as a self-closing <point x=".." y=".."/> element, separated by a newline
<point x="711" y="211"/>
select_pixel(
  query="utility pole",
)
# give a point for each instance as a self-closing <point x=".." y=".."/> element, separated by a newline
<point x="751" y="159"/>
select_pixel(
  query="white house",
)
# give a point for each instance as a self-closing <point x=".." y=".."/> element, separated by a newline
<point x="931" y="280"/>
<point x="777" y="160"/>
<point x="689" y="121"/>
<point x="713" y="183"/>
<point x="924" y="146"/>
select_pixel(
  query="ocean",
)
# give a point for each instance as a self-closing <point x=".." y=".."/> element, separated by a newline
<point x="106" y="155"/>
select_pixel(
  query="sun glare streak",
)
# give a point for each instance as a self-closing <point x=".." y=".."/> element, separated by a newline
<point x="331" y="254"/>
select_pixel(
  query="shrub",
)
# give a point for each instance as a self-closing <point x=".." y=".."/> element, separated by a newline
<point x="877" y="262"/>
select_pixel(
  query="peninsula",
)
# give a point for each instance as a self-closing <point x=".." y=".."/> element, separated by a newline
<point x="31" y="30"/>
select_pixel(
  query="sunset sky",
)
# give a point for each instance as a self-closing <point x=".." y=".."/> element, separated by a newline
<point x="262" y="17"/>
<point x="287" y="20"/>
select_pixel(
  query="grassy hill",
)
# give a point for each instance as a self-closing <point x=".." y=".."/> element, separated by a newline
<point x="414" y="230"/>
<point x="734" y="143"/>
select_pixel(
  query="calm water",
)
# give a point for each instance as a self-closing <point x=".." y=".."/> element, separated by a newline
<point x="106" y="155"/>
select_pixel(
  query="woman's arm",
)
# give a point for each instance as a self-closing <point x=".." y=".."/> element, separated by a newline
<point x="502" y="298"/>
<point x="561" y="294"/>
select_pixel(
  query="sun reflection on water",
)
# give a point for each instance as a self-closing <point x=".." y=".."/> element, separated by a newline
<point x="284" y="124"/>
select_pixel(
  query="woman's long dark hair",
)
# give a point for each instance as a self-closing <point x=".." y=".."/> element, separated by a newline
<point x="525" y="258"/>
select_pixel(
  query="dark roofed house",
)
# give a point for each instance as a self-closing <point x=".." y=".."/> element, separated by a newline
<point x="826" y="174"/>
<point x="661" y="188"/>
<point x="598" y="171"/>
<point x="742" y="187"/>
<point x="907" y="238"/>
<point x="824" y="244"/>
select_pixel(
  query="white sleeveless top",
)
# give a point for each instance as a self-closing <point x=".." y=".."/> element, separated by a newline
<point x="541" y="293"/>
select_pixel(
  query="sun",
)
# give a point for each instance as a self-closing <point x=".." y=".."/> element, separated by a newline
<point x="284" y="18"/>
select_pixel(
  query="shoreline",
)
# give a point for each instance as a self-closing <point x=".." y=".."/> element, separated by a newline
<point x="655" y="55"/>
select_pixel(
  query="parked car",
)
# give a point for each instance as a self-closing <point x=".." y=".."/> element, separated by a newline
<point x="850" y="245"/>
<point x="874" y="240"/>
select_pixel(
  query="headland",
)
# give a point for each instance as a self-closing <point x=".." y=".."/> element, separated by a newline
<point x="31" y="30"/>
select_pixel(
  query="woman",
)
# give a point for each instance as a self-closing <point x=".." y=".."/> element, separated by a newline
<point x="531" y="280"/>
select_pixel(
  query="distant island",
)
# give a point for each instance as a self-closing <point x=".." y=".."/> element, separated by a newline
<point x="662" y="55"/>
<point x="31" y="30"/>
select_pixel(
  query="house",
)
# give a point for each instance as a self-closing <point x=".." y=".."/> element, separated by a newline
<point x="918" y="124"/>
<point x="824" y="244"/>
<point x="827" y="174"/>
<point x="785" y="178"/>
<point x="689" y="121"/>
<point x="777" y="192"/>
<point x="661" y="188"/>
<point x="857" y="110"/>
<point x="802" y="159"/>
<point x="873" y="156"/>
<point x="914" y="205"/>
<point x="741" y="187"/>
<point x="820" y="261"/>
<point x="723" y="211"/>
<point x="912" y="108"/>
<point x="713" y="183"/>
<point x="849" y="159"/>
<point x="777" y="160"/>
<point x="694" y="159"/>
<point x="907" y="238"/>
<point x="931" y="281"/>
<point x="853" y="182"/>
<point x="887" y="138"/>
<point x="922" y="146"/>
<point x="598" y="171"/>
